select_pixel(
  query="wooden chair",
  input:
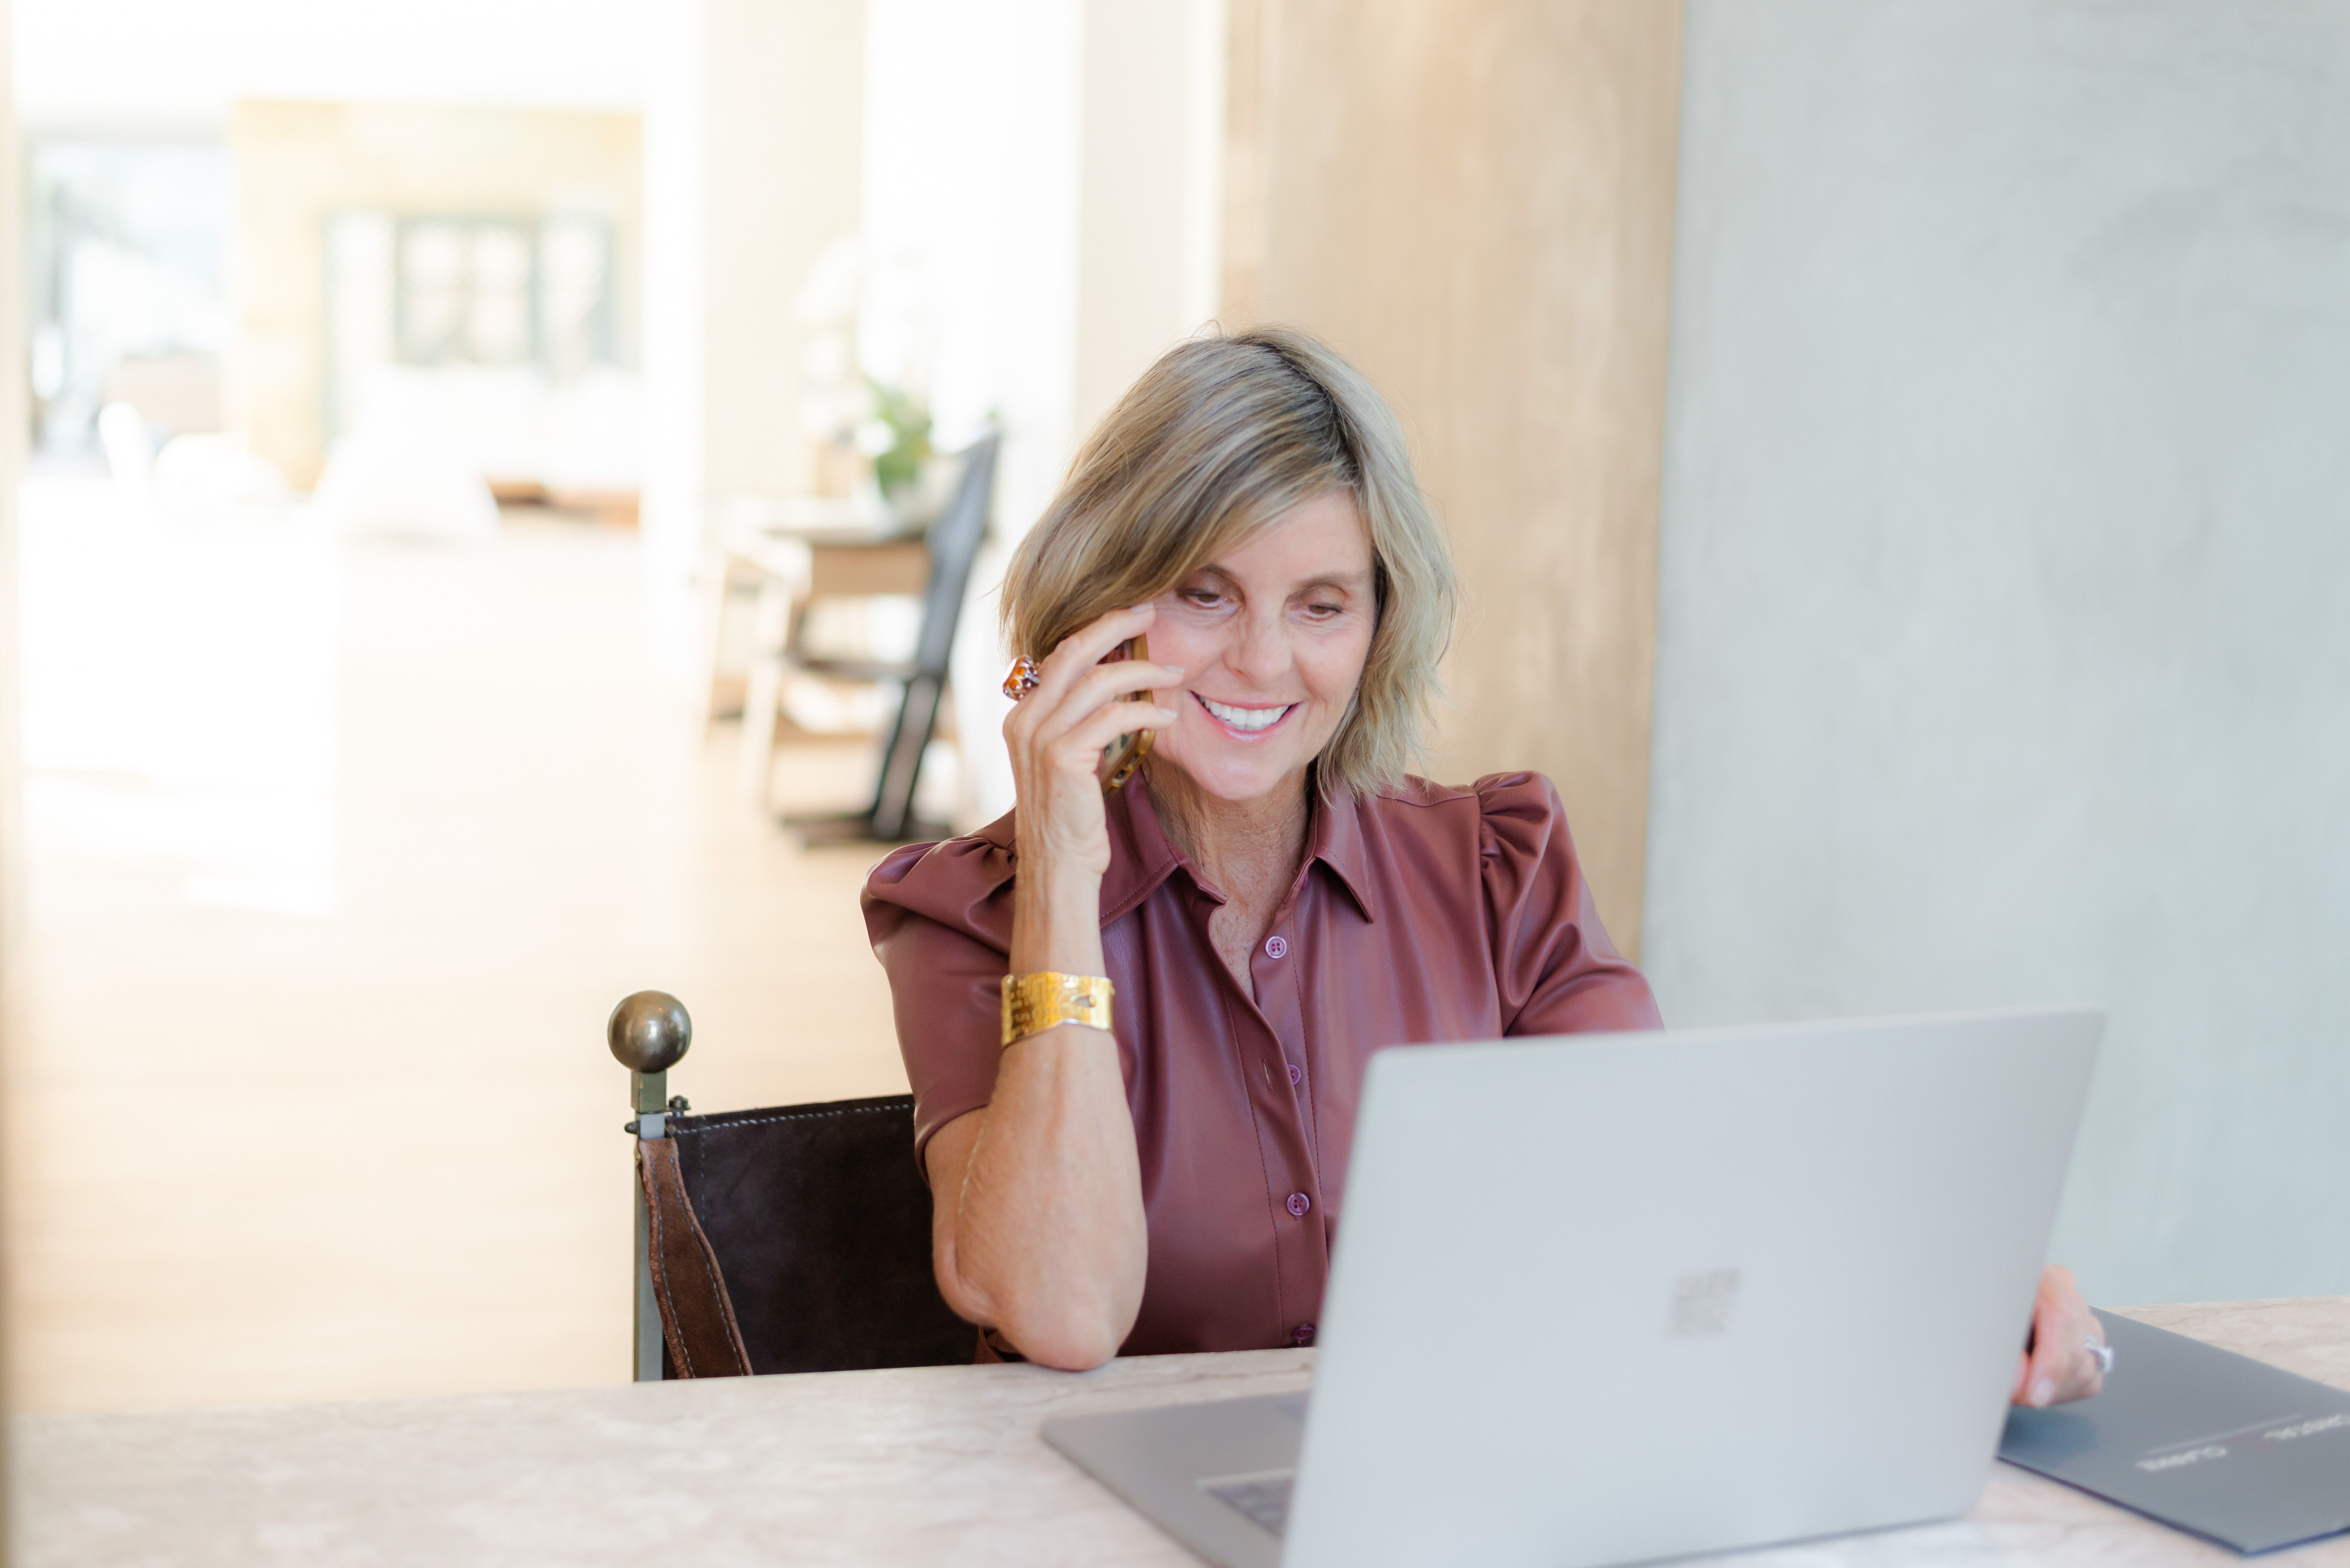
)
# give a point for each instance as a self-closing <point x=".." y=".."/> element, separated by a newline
<point x="796" y="1239"/>
<point x="795" y="561"/>
<point x="955" y="540"/>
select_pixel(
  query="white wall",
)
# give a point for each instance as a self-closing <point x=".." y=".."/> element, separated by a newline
<point x="12" y="448"/>
<point x="1150" y="189"/>
<point x="1051" y="166"/>
<point x="971" y="178"/>
<point x="783" y="111"/>
<point x="753" y="117"/>
<point x="2005" y="644"/>
<point x="676" y="326"/>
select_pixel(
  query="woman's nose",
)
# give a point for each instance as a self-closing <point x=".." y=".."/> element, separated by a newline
<point x="1261" y="654"/>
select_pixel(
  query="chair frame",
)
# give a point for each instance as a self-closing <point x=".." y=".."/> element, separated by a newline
<point x="641" y="1044"/>
<point x="791" y="566"/>
<point x="825" y="1224"/>
<point x="954" y="541"/>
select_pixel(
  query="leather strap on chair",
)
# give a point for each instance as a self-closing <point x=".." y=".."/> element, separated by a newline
<point x="696" y="1315"/>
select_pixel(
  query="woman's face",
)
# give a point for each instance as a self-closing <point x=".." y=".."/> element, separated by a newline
<point x="1272" y="639"/>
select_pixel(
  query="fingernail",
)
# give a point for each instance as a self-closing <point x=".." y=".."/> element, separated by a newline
<point x="2042" y="1391"/>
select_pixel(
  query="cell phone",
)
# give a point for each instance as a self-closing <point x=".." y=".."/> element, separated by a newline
<point x="1123" y="756"/>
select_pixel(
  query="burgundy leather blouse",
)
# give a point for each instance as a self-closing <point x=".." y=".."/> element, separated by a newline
<point x="1423" y="913"/>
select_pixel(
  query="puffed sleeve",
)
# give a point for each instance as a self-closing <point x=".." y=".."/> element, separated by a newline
<point x="1556" y="968"/>
<point x="940" y="918"/>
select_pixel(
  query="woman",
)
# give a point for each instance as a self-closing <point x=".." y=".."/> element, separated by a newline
<point x="1271" y="898"/>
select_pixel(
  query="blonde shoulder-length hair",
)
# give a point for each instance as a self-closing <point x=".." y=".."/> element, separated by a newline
<point x="1219" y="438"/>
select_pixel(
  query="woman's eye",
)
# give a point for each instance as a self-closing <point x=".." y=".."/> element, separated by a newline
<point x="1204" y="597"/>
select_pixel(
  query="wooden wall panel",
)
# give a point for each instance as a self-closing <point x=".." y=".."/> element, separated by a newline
<point x="1472" y="200"/>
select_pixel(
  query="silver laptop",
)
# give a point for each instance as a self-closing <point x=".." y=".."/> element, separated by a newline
<point x="1607" y="1298"/>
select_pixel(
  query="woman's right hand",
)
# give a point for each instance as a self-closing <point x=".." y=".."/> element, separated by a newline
<point x="1057" y="733"/>
<point x="1044" y="1238"/>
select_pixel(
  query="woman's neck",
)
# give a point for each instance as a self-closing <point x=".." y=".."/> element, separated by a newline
<point x="1242" y="847"/>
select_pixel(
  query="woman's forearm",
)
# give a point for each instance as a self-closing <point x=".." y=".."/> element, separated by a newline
<point x="1048" y="1241"/>
<point x="1049" y="1234"/>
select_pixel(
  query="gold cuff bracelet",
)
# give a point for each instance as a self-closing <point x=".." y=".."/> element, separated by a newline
<point x="1034" y="1002"/>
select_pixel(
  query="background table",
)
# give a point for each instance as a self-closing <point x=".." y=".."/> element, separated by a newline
<point x="934" y="1465"/>
<point x="788" y="554"/>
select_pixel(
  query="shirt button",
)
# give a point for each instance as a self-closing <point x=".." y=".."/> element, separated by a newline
<point x="1303" y="1333"/>
<point x="1296" y="1074"/>
<point x="1276" y="947"/>
<point x="1299" y="1203"/>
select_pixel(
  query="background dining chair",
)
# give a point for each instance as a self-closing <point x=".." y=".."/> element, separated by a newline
<point x="794" y="1239"/>
<point x="814" y="551"/>
<point x="955" y="540"/>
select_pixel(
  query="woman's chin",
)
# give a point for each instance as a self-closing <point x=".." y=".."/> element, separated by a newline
<point x="1235" y="781"/>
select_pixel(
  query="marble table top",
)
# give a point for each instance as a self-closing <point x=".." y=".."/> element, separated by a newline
<point x="930" y="1465"/>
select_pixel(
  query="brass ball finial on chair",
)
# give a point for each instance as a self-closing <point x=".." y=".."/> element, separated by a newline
<point x="648" y="1032"/>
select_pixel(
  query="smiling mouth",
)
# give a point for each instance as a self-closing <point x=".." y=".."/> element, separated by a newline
<point x="1247" y="721"/>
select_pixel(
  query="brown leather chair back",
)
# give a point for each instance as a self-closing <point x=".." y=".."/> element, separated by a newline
<point x="794" y="1240"/>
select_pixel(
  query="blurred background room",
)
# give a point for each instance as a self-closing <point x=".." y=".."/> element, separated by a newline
<point x="472" y="476"/>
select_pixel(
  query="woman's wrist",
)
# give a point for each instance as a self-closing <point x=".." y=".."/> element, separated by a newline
<point x="1057" y="923"/>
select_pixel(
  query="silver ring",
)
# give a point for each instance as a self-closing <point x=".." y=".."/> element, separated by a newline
<point x="2103" y="1354"/>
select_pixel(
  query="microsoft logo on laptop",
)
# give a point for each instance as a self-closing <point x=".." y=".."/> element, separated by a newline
<point x="1701" y="1304"/>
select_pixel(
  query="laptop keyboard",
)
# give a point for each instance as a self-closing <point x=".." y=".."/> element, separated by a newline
<point x="1265" y="1499"/>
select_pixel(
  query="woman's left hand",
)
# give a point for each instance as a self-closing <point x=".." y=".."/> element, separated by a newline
<point x="2060" y="1365"/>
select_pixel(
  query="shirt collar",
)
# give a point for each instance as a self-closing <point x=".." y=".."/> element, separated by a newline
<point x="1336" y="839"/>
<point x="1141" y="856"/>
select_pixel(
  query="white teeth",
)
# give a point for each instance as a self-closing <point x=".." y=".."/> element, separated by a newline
<point x="1249" y="719"/>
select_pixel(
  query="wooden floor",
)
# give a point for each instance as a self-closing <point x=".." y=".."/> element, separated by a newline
<point x="334" y="862"/>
